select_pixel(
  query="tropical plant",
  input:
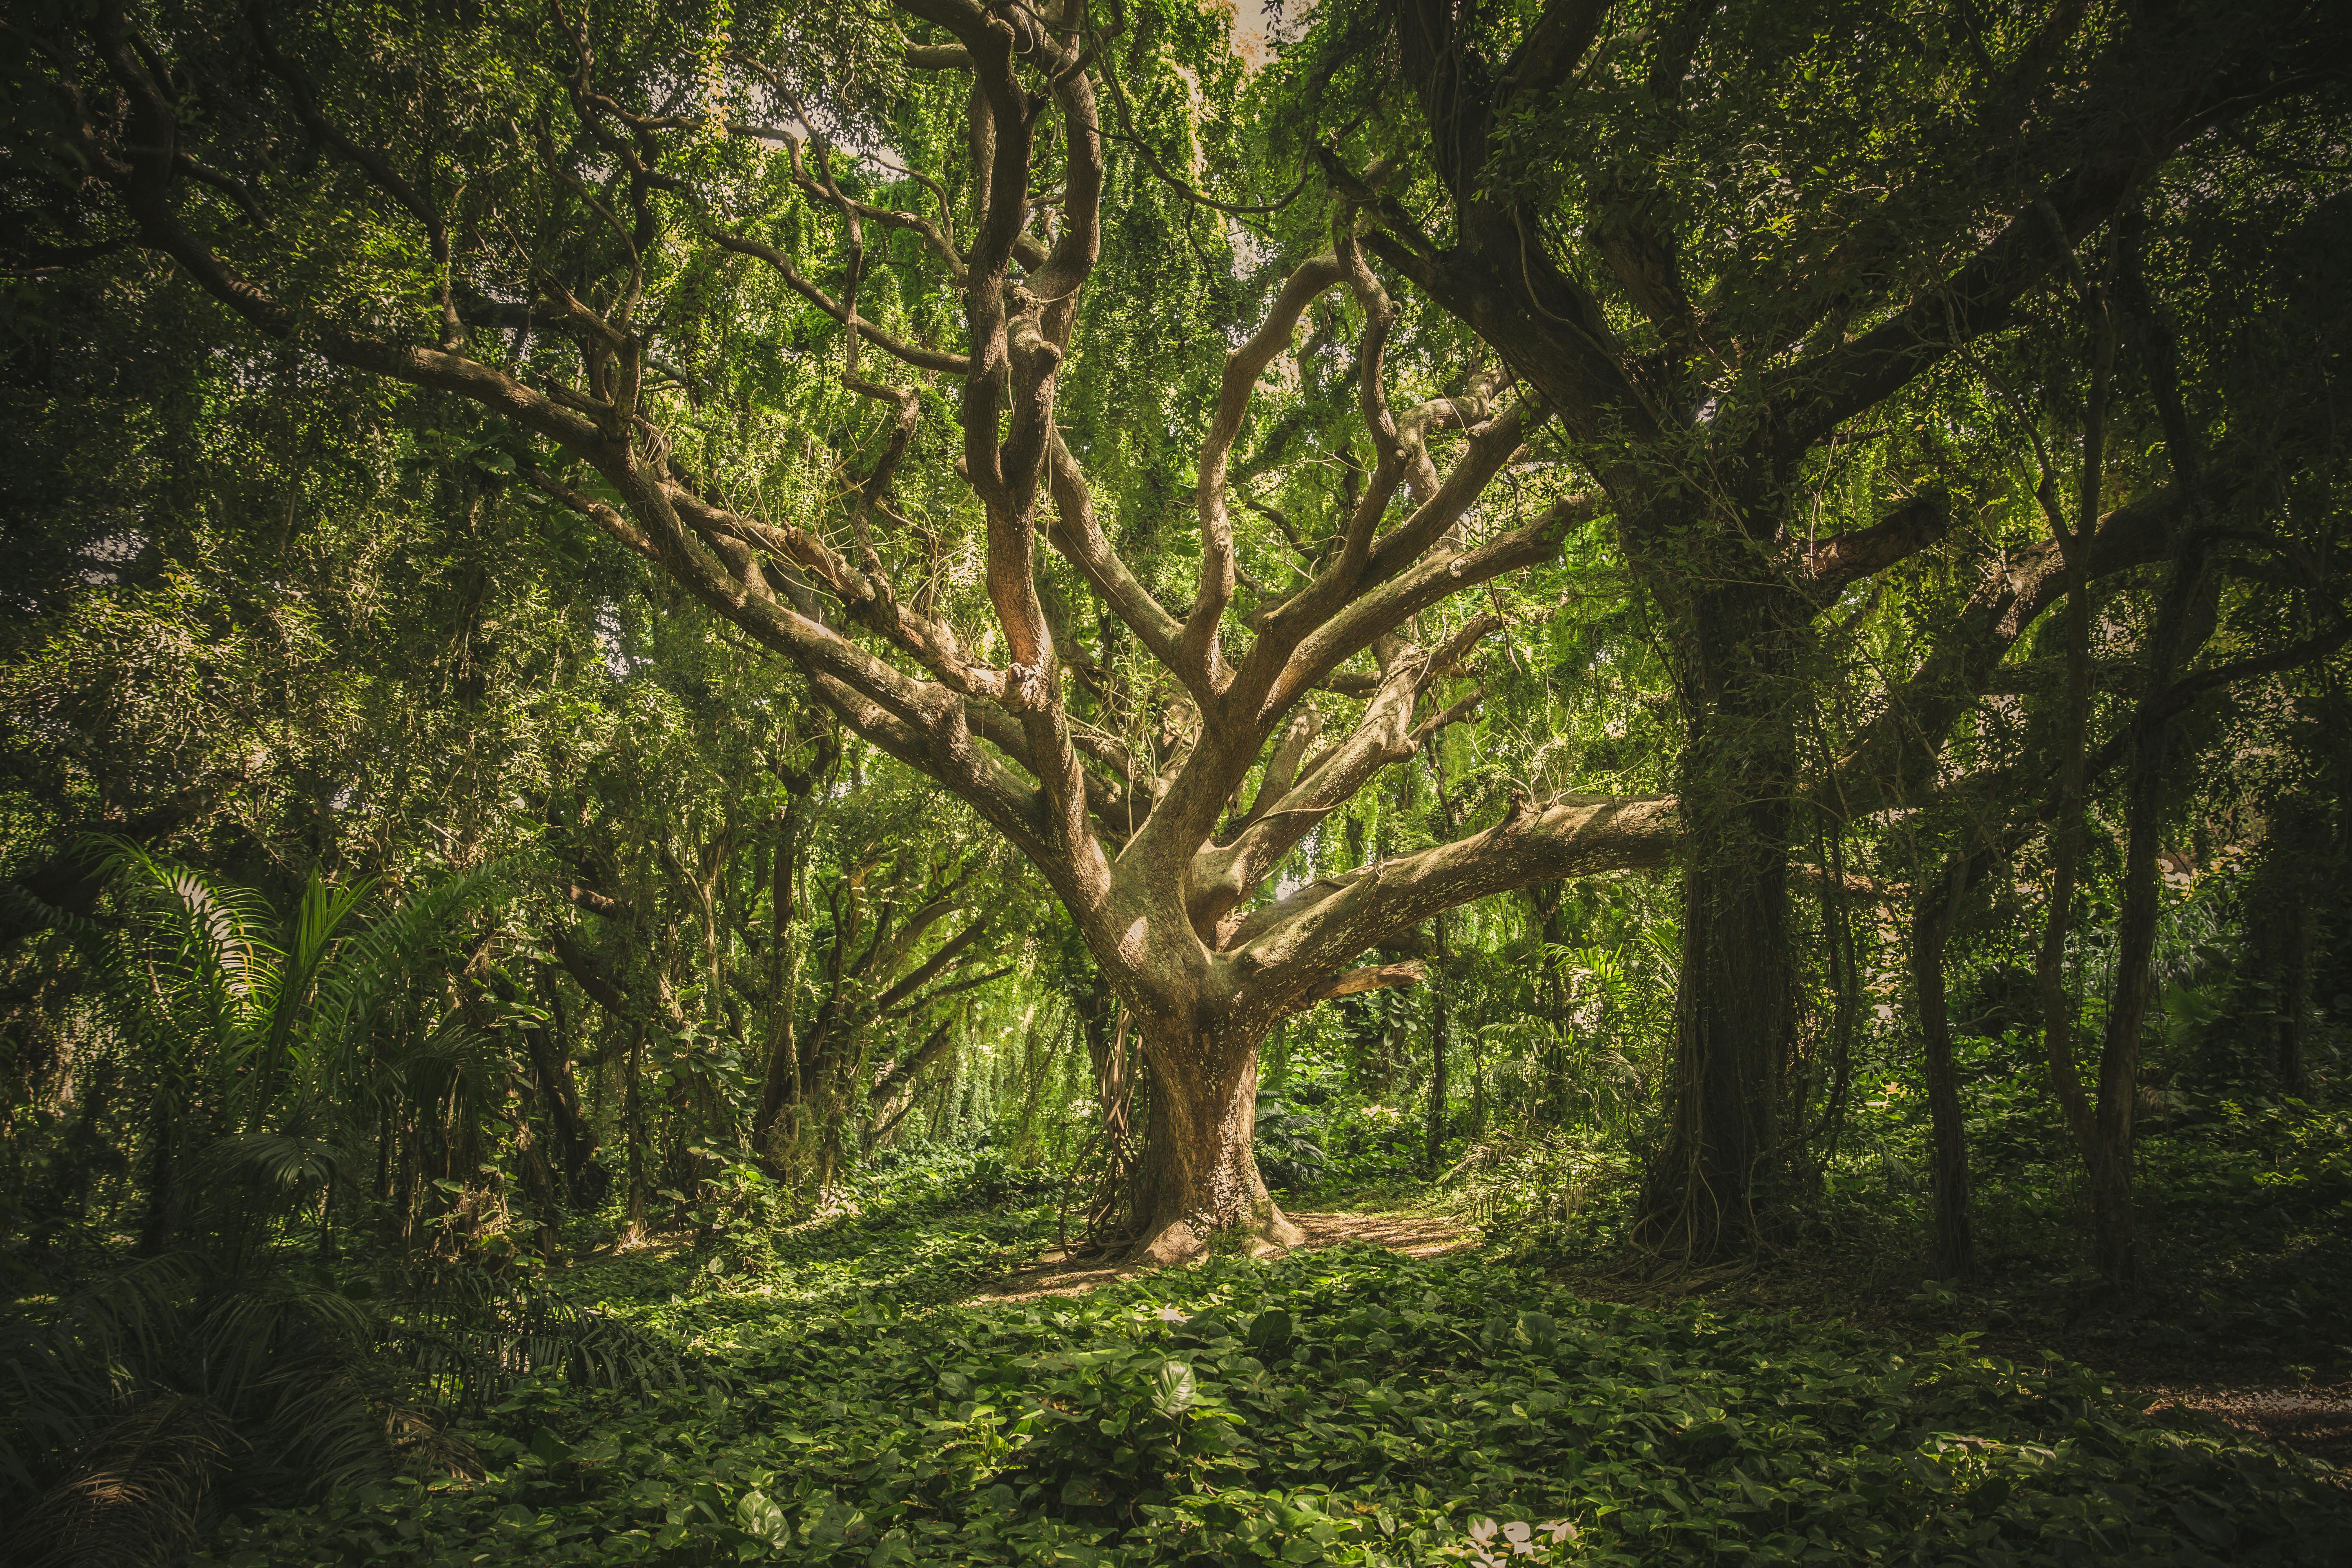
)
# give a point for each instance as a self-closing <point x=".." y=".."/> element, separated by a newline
<point x="275" y="1047"/>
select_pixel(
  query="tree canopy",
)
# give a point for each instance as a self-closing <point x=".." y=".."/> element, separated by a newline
<point x="629" y="610"/>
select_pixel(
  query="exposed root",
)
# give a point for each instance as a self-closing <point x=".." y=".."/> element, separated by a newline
<point x="1271" y="1233"/>
<point x="1073" y="1271"/>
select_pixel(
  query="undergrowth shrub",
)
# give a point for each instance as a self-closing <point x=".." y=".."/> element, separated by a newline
<point x="1348" y="1406"/>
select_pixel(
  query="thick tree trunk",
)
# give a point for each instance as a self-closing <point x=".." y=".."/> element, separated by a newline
<point x="1736" y="1008"/>
<point x="1931" y="926"/>
<point x="1199" y="1173"/>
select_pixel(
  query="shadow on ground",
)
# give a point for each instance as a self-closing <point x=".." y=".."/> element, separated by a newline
<point x="1066" y="1271"/>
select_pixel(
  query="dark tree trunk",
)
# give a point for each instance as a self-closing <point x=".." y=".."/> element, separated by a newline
<point x="2294" y="999"/>
<point x="1931" y="926"/>
<point x="1198" y="1174"/>
<point x="2184" y="620"/>
<point x="781" y="1081"/>
<point x="1439" y="1044"/>
<point x="2114" y="1240"/>
<point x="1551" y="999"/>
<point x="575" y="1140"/>
<point x="2282" y="929"/>
<point x="538" y="1184"/>
<point x="163" y="1172"/>
<point x="635" y="1109"/>
<point x="1736" y="1008"/>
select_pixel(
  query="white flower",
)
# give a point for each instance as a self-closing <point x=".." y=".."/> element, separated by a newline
<point x="1562" y="1529"/>
<point x="1518" y="1532"/>
<point x="1169" y="1315"/>
<point x="1482" y="1530"/>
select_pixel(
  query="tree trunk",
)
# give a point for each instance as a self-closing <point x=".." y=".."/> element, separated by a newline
<point x="1735" y="1010"/>
<point x="781" y="1080"/>
<point x="2184" y="620"/>
<point x="635" y="1110"/>
<point x="1440" y="1032"/>
<point x="575" y="1141"/>
<point x="2294" y="999"/>
<point x="1551" y="1002"/>
<point x="1931" y="926"/>
<point x="2283" y="903"/>
<point x="163" y="1192"/>
<point x="1199" y="1173"/>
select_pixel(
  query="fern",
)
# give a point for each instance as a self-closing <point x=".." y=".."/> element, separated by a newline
<point x="130" y="1401"/>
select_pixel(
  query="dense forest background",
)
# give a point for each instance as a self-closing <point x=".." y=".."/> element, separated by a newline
<point x="681" y="680"/>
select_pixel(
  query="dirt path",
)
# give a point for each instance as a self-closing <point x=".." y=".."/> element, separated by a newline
<point x="2316" y="1421"/>
<point x="1058" y="1273"/>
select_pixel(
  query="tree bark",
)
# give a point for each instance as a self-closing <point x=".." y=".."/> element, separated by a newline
<point x="1931" y="926"/>
<point x="2282" y="907"/>
<point x="1439" y="1043"/>
<point x="1552" y="1003"/>
<point x="1736" y="1006"/>
<point x="575" y="1141"/>
<point x="1199" y="1172"/>
<point x="780" y="1082"/>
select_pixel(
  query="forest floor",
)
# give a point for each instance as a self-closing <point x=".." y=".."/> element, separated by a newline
<point x="2312" y="1419"/>
<point x="1065" y="1271"/>
<point x="914" y="1381"/>
<point x="2243" y="1308"/>
<point x="2282" y="1404"/>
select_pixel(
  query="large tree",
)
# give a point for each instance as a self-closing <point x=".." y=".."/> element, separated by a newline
<point x="1727" y="244"/>
<point x="909" y="342"/>
<point x="437" y="209"/>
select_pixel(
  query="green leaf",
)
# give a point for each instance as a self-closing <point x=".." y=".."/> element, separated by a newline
<point x="1271" y="1330"/>
<point x="1173" y="1389"/>
<point x="758" y="1515"/>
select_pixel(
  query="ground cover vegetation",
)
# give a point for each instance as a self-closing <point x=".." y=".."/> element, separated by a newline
<point x="683" y="681"/>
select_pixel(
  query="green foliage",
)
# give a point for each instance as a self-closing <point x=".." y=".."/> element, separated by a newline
<point x="150" y="1395"/>
<point x="1344" y="1406"/>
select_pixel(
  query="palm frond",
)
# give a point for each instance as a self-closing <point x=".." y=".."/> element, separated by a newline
<point x="379" y="957"/>
<point x="134" y="1496"/>
<point x="289" y="1162"/>
<point x="199" y="946"/>
<point x="32" y="913"/>
<point x="472" y="1337"/>
<point x="68" y="1373"/>
<point x="370" y="965"/>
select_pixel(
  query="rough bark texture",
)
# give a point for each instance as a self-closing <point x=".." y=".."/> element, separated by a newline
<point x="1199" y="1175"/>
<point x="1735" y="1015"/>
<point x="575" y="1140"/>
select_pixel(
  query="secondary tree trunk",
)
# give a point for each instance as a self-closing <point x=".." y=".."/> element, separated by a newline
<point x="1440" y="1040"/>
<point x="575" y="1140"/>
<point x="2298" y="867"/>
<point x="2294" y="1000"/>
<point x="780" y="1082"/>
<point x="1199" y="1173"/>
<point x="1735" y="1012"/>
<point x="1931" y="927"/>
